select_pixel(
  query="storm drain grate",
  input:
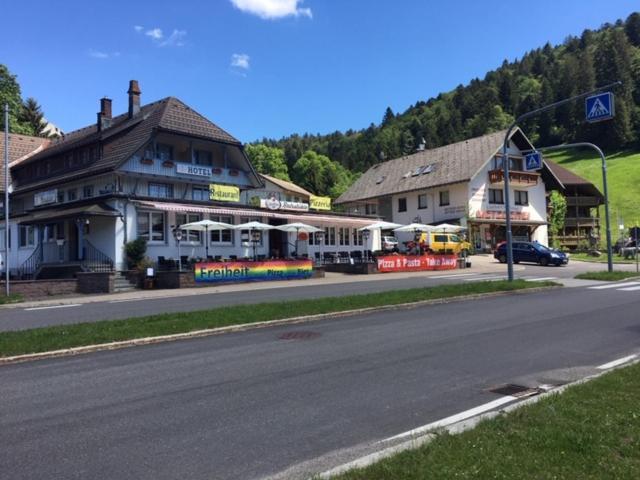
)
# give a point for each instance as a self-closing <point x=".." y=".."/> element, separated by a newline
<point x="299" y="335"/>
<point x="514" y="390"/>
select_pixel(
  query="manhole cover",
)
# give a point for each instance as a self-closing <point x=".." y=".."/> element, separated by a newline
<point x="514" y="390"/>
<point x="298" y="335"/>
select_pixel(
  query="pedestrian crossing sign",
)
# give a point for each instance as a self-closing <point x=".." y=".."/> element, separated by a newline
<point x="533" y="161"/>
<point x="600" y="107"/>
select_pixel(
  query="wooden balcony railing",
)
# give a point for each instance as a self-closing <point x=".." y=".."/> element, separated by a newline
<point x="518" y="179"/>
<point x="583" y="201"/>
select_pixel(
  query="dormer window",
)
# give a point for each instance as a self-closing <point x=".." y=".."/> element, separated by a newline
<point x="164" y="152"/>
<point x="202" y="157"/>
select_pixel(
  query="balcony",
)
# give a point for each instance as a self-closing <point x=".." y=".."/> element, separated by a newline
<point x="583" y="201"/>
<point x="581" y="222"/>
<point x="517" y="179"/>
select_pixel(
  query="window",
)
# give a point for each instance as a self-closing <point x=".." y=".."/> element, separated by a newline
<point x="188" y="235"/>
<point x="330" y="235"/>
<point x="200" y="193"/>
<point x="444" y="198"/>
<point x="151" y="226"/>
<point x="53" y="232"/>
<point x="148" y="151"/>
<point x="222" y="236"/>
<point x="26" y="236"/>
<point x="343" y="236"/>
<point x="87" y="191"/>
<point x="202" y="158"/>
<point x="422" y="201"/>
<point x="72" y="194"/>
<point x="60" y="196"/>
<point x="164" y="152"/>
<point x="357" y="237"/>
<point x="496" y="196"/>
<point x="522" y="197"/>
<point x="402" y="205"/>
<point x="371" y="209"/>
<point x="160" y="190"/>
<point x="515" y="163"/>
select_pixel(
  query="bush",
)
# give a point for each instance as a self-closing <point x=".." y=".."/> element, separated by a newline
<point x="135" y="251"/>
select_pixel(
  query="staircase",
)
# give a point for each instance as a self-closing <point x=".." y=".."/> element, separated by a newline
<point x="122" y="284"/>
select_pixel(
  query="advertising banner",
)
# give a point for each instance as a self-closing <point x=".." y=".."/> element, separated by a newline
<point x="416" y="263"/>
<point x="224" y="193"/>
<point x="319" y="203"/>
<point x="218" y="272"/>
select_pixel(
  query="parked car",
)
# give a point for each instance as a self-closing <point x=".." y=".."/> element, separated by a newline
<point x="444" y="243"/>
<point x="389" y="243"/>
<point x="532" y="252"/>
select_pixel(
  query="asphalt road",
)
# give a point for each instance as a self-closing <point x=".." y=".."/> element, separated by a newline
<point x="250" y="405"/>
<point x="18" y="318"/>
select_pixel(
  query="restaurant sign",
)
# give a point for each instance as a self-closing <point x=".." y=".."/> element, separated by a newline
<point x="273" y="203"/>
<point x="45" y="198"/>
<point x="196" y="170"/>
<point x="319" y="203"/>
<point x="224" y="193"/>
<point x="222" y="272"/>
<point x="416" y="263"/>
<point x="500" y="215"/>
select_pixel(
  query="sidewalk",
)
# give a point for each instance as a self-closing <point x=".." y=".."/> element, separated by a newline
<point x="481" y="264"/>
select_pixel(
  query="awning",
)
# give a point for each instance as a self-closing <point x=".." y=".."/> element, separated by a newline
<point x="298" y="217"/>
<point x="504" y="222"/>
<point x="52" y="215"/>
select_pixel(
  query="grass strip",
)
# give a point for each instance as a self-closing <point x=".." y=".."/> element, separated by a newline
<point x="589" y="432"/>
<point x="12" y="298"/>
<point x="606" y="276"/>
<point x="76" y="335"/>
<point x="585" y="257"/>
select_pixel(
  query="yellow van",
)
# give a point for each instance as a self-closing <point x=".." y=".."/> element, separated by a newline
<point x="444" y="243"/>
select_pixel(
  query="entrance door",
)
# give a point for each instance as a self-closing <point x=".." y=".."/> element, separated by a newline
<point x="73" y="241"/>
<point x="278" y="240"/>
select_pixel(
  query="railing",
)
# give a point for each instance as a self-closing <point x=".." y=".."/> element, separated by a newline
<point x="94" y="260"/>
<point x="583" y="201"/>
<point x="527" y="179"/>
<point x="581" y="222"/>
<point x="30" y="266"/>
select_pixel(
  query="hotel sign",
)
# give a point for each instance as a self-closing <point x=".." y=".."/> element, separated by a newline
<point x="45" y="198"/>
<point x="224" y="193"/>
<point x="195" y="170"/>
<point x="319" y="203"/>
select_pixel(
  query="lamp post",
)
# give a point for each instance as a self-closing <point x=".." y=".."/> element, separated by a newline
<point x="319" y="239"/>
<point x="6" y="199"/>
<point x="365" y="237"/>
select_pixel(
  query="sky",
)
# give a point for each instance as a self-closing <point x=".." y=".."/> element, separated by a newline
<point x="271" y="68"/>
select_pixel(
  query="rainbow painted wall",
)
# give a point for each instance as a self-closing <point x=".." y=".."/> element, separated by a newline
<point x="223" y="272"/>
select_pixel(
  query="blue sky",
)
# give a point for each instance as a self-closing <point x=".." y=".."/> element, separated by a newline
<point x="275" y="67"/>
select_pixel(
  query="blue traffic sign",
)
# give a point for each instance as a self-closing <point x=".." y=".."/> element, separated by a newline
<point x="533" y="161"/>
<point x="600" y="107"/>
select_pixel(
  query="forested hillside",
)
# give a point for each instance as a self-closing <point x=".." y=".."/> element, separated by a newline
<point x="542" y="76"/>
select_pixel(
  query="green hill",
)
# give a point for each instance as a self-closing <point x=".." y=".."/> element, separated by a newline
<point x="623" y="178"/>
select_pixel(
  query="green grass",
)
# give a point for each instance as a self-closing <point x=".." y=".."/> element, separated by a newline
<point x="589" y="432"/>
<point x="623" y="178"/>
<point x="67" y="336"/>
<point x="585" y="257"/>
<point x="607" y="276"/>
<point x="12" y="298"/>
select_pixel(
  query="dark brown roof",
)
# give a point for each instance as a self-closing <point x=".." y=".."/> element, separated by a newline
<point x="21" y="147"/>
<point x="569" y="179"/>
<point x="126" y="135"/>
<point x="454" y="163"/>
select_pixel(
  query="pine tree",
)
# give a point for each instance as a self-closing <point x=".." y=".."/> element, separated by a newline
<point x="32" y="116"/>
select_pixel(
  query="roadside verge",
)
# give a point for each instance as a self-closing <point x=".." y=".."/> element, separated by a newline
<point x="74" y="339"/>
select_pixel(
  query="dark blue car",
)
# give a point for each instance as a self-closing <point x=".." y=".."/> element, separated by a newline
<point x="532" y="252"/>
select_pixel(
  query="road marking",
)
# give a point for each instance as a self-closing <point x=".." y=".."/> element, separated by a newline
<point x="630" y="289"/>
<point x="455" y="418"/>
<point x="454" y="275"/>
<point x="538" y="279"/>
<point x="615" y="363"/>
<point x="53" y="306"/>
<point x="616" y="285"/>
<point x="128" y="300"/>
<point x="501" y="277"/>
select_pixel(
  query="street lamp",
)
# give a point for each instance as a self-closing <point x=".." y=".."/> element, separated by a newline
<point x="319" y="238"/>
<point x="365" y="237"/>
<point x="177" y="234"/>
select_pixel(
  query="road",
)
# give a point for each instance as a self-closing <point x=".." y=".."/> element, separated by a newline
<point x="18" y="318"/>
<point x="251" y="405"/>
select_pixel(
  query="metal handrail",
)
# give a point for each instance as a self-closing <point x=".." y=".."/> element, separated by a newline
<point x="94" y="259"/>
<point x="30" y="266"/>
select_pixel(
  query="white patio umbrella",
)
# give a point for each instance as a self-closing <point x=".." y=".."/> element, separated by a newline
<point x="381" y="226"/>
<point x="414" y="227"/>
<point x="447" y="227"/>
<point x="204" y="226"/>
<point x="298" y="227"/>
<point x="254" y="227"/>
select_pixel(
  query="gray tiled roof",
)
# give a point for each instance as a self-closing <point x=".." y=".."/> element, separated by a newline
<point x="454" y="163"/>
<point x="126" y="135"/>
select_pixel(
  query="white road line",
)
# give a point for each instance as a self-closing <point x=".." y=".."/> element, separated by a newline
<point x="501" y="277"/>
<point x="455" y="418"/>
<point x="128" y="300"/>
<point x="615" y="363"/>
<point x="538" y="279"/>
<point x="455" y="275"/>
<point x="630" y="289"/>
<point x="53" y="306"/>
<point x="615" y="285"/>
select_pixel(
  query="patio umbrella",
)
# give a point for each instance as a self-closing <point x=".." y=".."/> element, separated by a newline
<point x="205" y="226"/>
<point x="254" y="227"/>
<point x="298" y="227"/>
<point x="447" y="227"/>
<point x="414" y="227"/>
<point x="381" y="226"/>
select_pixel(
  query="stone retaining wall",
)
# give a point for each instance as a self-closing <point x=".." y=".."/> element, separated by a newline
<point x="95" y="282"/>
<point x="41" y="289"/>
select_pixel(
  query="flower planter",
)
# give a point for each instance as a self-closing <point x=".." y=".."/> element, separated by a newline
<point x="146" y="161"/>
<point x="167" y="164"/>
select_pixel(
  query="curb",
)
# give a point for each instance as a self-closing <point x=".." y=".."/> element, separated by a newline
<point x="67" y="352"/>
<point x="455" y="428"/>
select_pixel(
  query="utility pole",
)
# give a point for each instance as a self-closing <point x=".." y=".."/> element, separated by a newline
<point x="6" y="199"/>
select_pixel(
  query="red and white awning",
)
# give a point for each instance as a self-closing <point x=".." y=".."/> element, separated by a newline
<point x="245" y="212"/>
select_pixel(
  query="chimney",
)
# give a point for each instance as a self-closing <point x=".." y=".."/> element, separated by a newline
<point x="104" y="115"/>
<point x="134" y="98"/>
